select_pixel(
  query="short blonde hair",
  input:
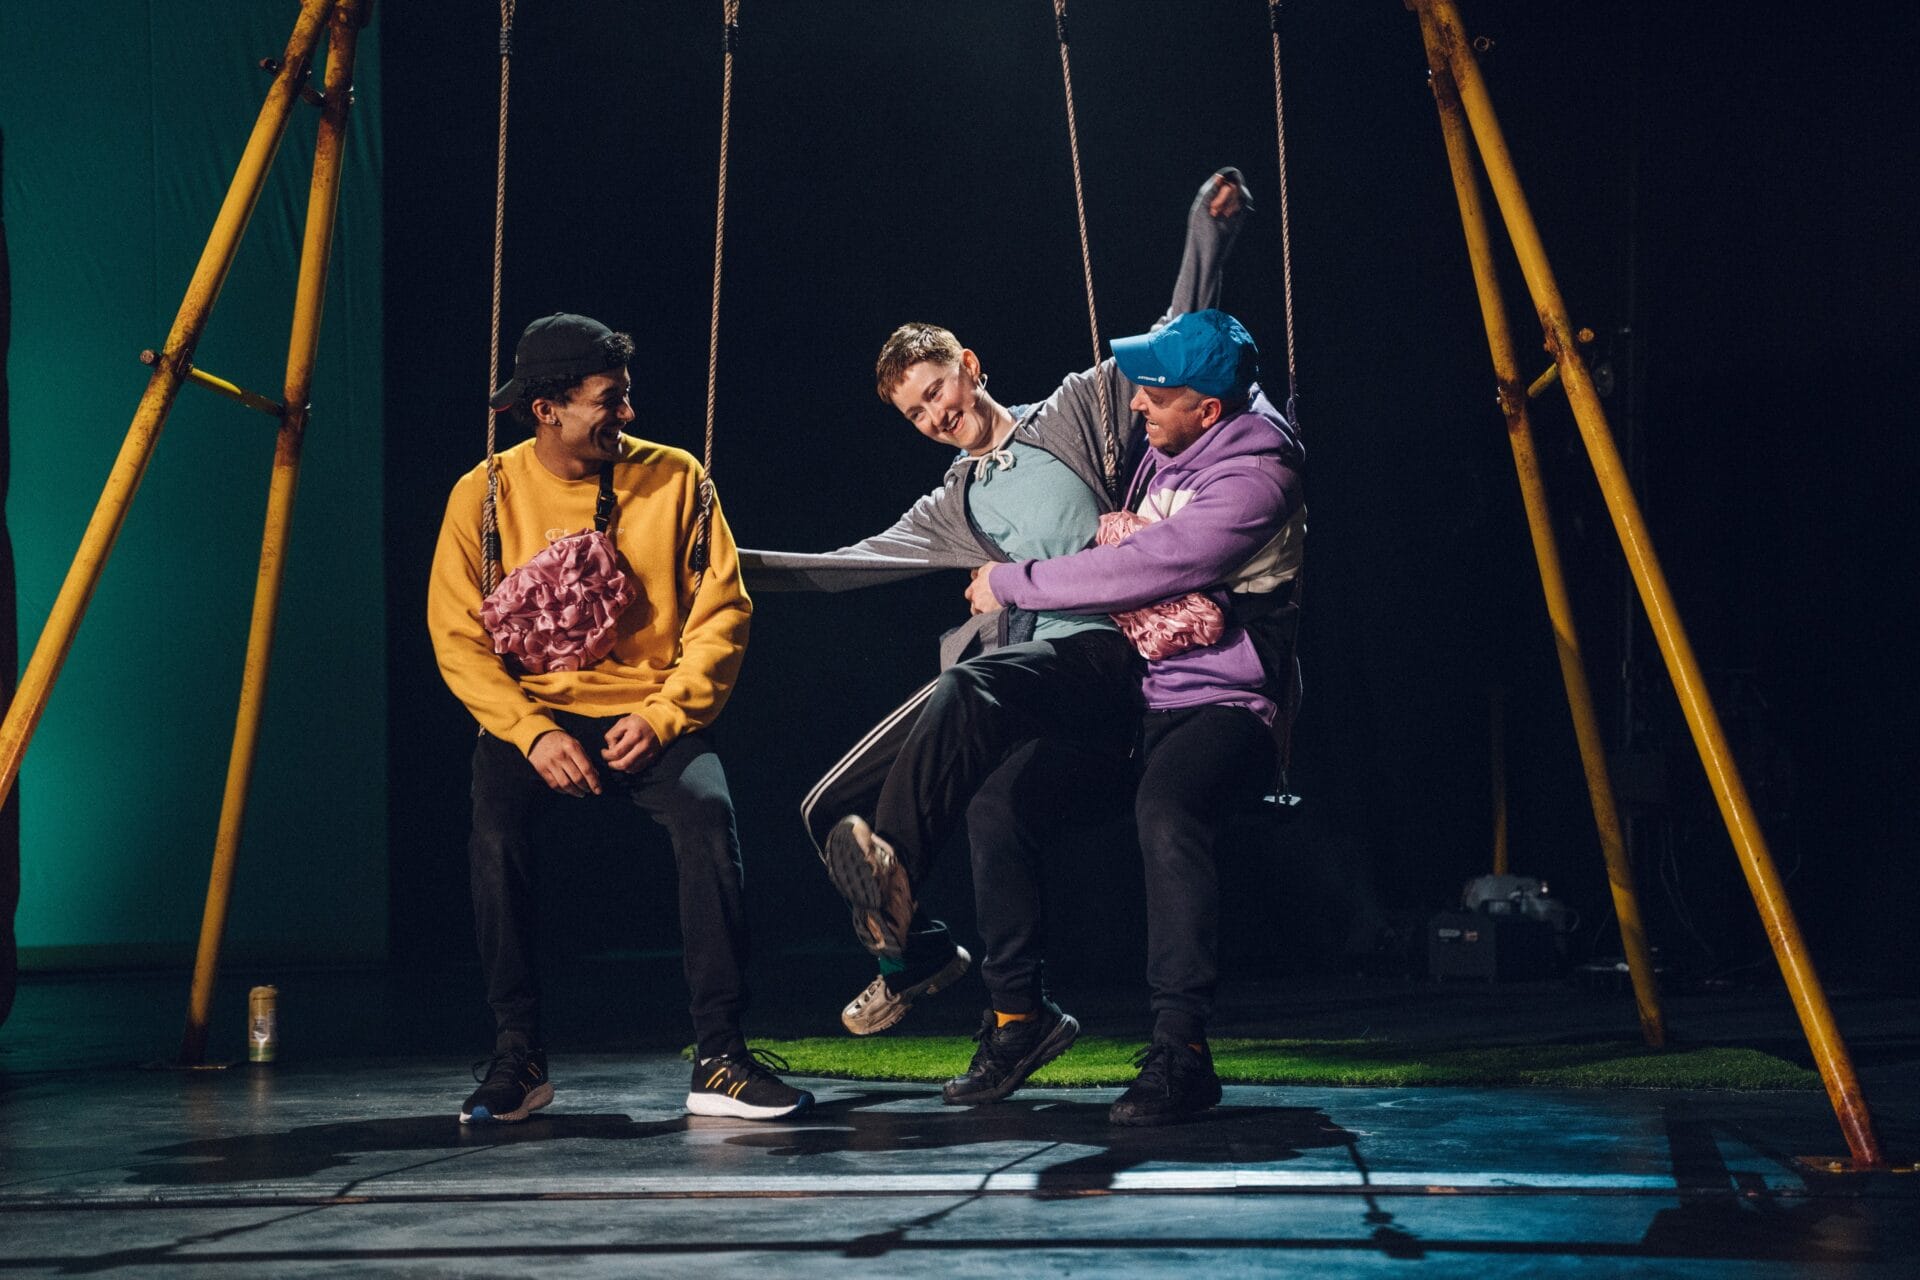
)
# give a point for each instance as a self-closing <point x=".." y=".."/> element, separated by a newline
<point x="911" y="344"/>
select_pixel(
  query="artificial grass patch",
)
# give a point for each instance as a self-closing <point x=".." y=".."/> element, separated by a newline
<point x="1103" y="1060"/>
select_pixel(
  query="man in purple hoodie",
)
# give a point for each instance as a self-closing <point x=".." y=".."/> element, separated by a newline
<point x="1220" y="488"/>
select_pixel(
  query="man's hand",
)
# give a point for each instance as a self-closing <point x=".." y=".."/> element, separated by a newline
<point x="562" y="764"/>
<point x="1226" y="198"/>
<point x="631" y="744"/>
<point x="980" y="592"/>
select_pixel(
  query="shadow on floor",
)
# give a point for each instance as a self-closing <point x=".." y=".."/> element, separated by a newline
<point x="1224" y="1137"/>
<point x="311" y="1149"/>
<point x="1717" y="1213"/>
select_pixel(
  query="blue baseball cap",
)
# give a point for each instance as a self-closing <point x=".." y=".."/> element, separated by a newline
<point x="1208" y="350"/>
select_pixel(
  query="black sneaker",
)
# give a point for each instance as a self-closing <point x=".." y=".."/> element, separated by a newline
<point x="513" y="1086"/>
<point x="1176" y="1082"/>
<point x="1008" y="1055"/>
<point x="874" y="884"/>
<point x="737" y="1084"/>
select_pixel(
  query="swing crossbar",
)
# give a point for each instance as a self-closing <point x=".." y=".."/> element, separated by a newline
<point x="1551" y="377"/>
<point x="231" y="390"/>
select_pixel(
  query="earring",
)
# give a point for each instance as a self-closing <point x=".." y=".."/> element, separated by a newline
<point x="981" y="381"/>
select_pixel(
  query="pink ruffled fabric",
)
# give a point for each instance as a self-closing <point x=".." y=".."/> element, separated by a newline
<point x="557" y="611"/>
<point x="1173" y="626"/>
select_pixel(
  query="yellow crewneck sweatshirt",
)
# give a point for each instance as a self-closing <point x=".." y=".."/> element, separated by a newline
<point x="675" y="658"/>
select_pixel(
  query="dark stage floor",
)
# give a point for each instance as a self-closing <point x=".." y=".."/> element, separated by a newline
<point x="345" y="1157"/>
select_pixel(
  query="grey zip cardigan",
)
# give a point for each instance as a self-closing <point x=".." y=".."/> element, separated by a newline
<point x="937" y="533"/>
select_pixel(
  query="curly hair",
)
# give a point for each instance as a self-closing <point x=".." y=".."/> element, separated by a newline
<point x="616" y="347"/>
<point x="909" y="345"/>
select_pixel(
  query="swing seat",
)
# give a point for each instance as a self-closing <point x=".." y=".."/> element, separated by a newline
<point x="1280" y="804"/>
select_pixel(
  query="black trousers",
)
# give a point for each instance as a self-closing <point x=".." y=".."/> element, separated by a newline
<point x="1196" y="767"/>
<point x="919" y="769"/>
<point x="1016" y="820"/>
<point x="685" y="791"/>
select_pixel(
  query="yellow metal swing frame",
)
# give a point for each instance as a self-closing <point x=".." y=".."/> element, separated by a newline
<point x="341" y="22"/>
<point x="1467" y="119"/>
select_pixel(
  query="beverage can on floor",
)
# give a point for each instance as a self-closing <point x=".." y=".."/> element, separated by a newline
<point x="263" y="1024"/>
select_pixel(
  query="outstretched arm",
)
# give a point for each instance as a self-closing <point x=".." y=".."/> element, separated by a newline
<point x="1213" y="224"/>
<point x="1214" y="219"/>
<point x="929" y="535"/>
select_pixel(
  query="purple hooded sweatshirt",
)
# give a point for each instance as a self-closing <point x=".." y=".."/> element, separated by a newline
<point x="1228" y="519"/>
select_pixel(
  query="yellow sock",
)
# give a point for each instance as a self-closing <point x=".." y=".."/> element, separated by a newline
<point x="1002" y="1019"/>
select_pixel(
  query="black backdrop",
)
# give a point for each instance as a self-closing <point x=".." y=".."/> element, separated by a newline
<point x="1725" y="205"/>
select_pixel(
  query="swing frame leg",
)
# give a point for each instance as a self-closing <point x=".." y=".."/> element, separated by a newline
<point x="323" y="202"/>
<point x="170" y="370"/>
<point x="1573" y="673"/>
<point x="1448" y="45"/>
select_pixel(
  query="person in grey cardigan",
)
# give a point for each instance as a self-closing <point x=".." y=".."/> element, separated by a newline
<point x="1030" y="481"/>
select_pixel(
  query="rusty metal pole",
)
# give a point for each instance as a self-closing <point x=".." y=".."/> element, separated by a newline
<point x="1573" y="671"/>
<point x="323" y="202"/>
<point x="203" y="290"/>
<point x="1736" y="810"/>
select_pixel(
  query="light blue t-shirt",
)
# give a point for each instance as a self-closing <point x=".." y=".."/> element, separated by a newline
<point x="1034" y="508"/>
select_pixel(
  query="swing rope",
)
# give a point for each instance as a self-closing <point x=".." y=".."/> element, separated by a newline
<point x="1109" y="432"/>
<point x="1286" y="230"/>
<point x="730" y="13"/>
<point x="490" y="568"/>
<point x="489" y="515"/>
<point x="1282" y="798"/>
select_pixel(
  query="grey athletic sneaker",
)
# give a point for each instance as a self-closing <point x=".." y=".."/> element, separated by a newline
<point x="888" y="997"/>
<point x="862" y="867"/>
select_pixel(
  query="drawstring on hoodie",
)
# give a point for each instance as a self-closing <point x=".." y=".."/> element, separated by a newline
<point x="999" y="455"/>
<point x="984" y="463"/>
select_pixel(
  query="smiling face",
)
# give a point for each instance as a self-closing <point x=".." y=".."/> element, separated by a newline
<point x="1176" y="416"/>
<point x="943" y="401"/>
<point x="579" y="433"/>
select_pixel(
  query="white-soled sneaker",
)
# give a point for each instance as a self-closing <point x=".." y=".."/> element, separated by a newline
<point x="743" y="1085"/>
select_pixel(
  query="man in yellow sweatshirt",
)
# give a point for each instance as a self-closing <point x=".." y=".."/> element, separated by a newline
<point x="621" y="722"/>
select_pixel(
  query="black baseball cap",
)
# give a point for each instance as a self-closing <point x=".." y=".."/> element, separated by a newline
<point x="561" y="345"/>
